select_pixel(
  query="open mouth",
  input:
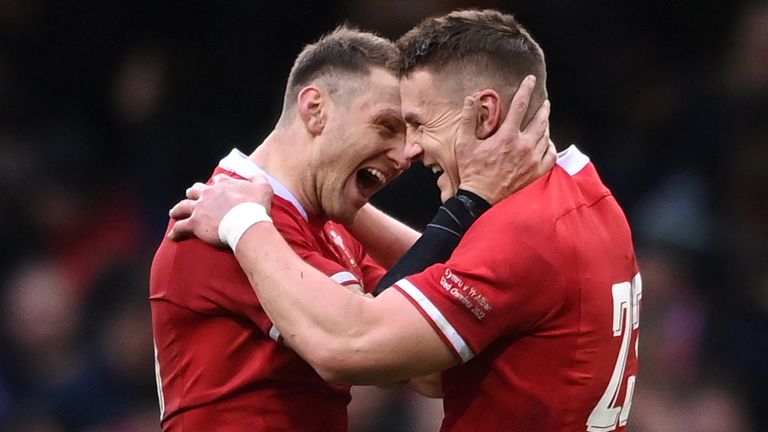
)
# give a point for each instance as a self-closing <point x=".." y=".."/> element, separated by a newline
<point x="370" y="180"/>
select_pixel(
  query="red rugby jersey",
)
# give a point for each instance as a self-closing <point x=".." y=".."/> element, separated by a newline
<point x="540" y="302"/>
<point x="219" y="367"/>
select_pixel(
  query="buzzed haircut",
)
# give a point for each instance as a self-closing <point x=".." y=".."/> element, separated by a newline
<point x="481" y="45"/>
<point x="345" y="50"/>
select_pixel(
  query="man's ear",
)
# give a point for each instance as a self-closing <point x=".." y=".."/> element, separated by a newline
<point x="488" y="112"/>
<point x="311" y="105"/>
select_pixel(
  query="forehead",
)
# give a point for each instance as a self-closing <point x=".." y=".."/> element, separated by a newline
<point x="420" y="92"/>
<point x="379" y="91"/>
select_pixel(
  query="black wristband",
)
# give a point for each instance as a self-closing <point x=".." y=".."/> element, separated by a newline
<point x="440" y="237"/>
<point x="474" y="203"/>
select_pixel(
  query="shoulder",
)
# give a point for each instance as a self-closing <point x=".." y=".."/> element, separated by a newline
<point x="193" y="259"/>
<point x="529" y="212"/>
<point x="191" y="273"/>
<point x="288" y="221"/>
<point x="548" y="198"/>
<point x="521" y="231"/>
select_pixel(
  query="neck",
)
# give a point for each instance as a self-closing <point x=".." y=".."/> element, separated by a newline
<point x="284" y="155"/>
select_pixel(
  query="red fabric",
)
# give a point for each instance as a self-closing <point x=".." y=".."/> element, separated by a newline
<point x="220" y="371"/>
<point x="530" y="289"/>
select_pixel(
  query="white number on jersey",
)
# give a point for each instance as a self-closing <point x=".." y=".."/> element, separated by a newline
<point x="607" y="414"/>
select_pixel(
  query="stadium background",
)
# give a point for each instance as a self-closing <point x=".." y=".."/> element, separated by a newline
<point x="108" y="110"/>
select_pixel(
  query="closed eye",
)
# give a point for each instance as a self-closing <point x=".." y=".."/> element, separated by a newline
<point x="390" y="126"/>
<point x="412" y="121"/>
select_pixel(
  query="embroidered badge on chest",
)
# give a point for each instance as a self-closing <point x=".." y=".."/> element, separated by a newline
<point x="341" y="249"/>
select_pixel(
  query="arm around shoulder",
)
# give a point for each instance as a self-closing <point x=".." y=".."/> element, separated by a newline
<point x="345" y="337"/>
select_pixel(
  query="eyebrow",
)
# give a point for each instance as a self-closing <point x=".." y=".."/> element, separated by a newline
<point x="412" y="119"/>
<point x="390" y="116"/>
<point x="389" y="113"/>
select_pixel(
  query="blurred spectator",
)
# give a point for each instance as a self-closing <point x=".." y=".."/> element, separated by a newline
<point x="42" y="316"/>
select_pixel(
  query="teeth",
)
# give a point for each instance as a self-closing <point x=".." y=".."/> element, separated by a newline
<point x="436" y="169"/>
<point x="378" y="174"/>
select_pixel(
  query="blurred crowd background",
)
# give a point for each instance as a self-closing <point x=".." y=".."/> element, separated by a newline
<point x="110" y="109"/>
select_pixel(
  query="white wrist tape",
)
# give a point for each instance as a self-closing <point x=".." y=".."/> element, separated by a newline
<point x="238" y="219"/>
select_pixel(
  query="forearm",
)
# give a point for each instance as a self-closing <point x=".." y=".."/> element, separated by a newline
<point x="306" y="317"/>
<point x="385" y="238"/>
<point x="345" y="337"/>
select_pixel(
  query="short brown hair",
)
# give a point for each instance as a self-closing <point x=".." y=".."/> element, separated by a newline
<point x="483" y="45"/>
<point x="345" y="50"/>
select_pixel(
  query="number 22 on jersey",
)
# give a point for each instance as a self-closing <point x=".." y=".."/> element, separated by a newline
<point x="608" y="414"/>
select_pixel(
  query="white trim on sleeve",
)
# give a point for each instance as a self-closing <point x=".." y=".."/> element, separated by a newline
<point x="344" y="277"/>
<point x="450" y="333"/>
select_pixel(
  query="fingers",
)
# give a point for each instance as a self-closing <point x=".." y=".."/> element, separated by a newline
<point x="467" y="121"/>
<point x="181" y="230"/>
<point x="519" y="105"/>
<point x="182" y="210"/>
<point x="549" y="157"/>
<point x="543" y="150"/>
<point x="539" y="125"/>
<point x="468" y="111"/>
<point x="195" y="190"/>
<point x="542" y="144"/>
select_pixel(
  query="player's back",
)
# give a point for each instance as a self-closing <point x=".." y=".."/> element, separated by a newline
<point x="564" y="356"/>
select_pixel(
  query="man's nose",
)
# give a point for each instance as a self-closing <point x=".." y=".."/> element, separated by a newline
<point x="400" y="160"/>
<point x="412" y="151"/>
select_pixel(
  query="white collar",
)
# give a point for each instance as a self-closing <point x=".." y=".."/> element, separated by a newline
<point x="572" y="160"/>
<point x="238" y="163"/>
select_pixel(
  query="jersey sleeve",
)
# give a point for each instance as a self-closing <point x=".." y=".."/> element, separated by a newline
<point x="501" y="280"/>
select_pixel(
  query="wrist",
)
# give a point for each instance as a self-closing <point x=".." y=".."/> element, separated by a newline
<point x="485" y="194"/>
<point x="475" y="204"/>
<point x="237" y="221"/>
